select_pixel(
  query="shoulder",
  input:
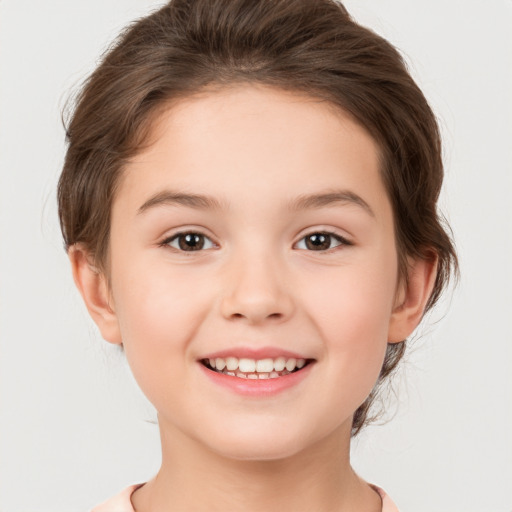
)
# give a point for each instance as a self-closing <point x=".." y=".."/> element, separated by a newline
<point x="387" y="503"/>
<point x="120" y="502"/>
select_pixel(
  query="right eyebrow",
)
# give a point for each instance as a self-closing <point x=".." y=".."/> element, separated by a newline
<point x="329" y="198"/>
<point x="171" y="198"/>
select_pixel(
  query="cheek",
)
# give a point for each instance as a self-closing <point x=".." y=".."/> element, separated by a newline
<point x="158" y="315"/>
<point x="354" y="301"/>
<point x="154" y="303"/>
<point x="352" y="315"/>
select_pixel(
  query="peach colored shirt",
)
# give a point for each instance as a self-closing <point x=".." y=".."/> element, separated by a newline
<point x="122" y="503"/>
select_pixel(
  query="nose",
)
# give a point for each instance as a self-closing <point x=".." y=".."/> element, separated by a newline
<point x="256" y="291"/>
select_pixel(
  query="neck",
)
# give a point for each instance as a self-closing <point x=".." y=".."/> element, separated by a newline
<point x="193" y="477"/>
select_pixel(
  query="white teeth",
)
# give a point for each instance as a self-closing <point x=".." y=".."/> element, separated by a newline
<point x="256" y="369"/>
<point x="279" y="364"/>
<point x="264" y="365"/>
<point x="290" y="364"/>
<point x="231" y="363"/>
<point x="247" y="365"/>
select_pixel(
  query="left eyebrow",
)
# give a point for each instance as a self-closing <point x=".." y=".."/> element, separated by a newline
<point x="312" y="201"/>
<point x="171" y="198"/>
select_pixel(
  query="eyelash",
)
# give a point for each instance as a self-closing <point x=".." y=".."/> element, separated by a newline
<point x="167" y="242"/>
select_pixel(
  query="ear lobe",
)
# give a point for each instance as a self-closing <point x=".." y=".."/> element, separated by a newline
<point x="412" y="298"/>
<point x="93" y="287"/>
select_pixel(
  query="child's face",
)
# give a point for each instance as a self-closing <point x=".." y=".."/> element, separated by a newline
<point x="263" y="281"/>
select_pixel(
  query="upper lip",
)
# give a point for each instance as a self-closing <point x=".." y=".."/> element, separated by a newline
<point x="254" y="353"/>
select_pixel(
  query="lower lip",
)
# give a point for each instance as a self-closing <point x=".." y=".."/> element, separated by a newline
<point x="257" y="387"/>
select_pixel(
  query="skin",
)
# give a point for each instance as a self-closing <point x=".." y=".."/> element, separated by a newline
<point x="256" y="283"/>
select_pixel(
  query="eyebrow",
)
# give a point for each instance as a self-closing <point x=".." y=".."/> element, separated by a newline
<point x="172" y="198"/>
<point x="302" y="202"/>
<point x="313" y="201"/>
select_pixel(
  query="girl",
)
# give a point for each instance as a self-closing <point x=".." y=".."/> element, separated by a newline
<point x="248" y="202"/>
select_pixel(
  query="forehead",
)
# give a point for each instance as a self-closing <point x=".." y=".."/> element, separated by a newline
<point x="246" y="142"/>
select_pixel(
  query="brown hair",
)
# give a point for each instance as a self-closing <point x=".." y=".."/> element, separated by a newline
<point x="308" y="46"/>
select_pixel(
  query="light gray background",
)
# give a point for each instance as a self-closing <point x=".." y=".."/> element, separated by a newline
<point x="74" y="427"/>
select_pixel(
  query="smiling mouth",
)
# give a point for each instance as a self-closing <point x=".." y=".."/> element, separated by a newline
<point x="245" y="368"/>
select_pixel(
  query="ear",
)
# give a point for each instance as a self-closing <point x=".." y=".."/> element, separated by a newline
<point x="412" y="298"/>
<point x="92" y="285"/>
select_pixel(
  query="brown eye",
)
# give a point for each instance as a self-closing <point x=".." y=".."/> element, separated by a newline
<point x="190" y="242"/>
<point x="321" y="241"/>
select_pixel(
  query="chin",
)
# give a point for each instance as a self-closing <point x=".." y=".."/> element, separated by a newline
<point x="260" y="444"/>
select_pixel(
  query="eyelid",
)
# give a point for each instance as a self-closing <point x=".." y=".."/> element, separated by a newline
<point x="344" y="241"/>
<point x="187" y="231"/>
